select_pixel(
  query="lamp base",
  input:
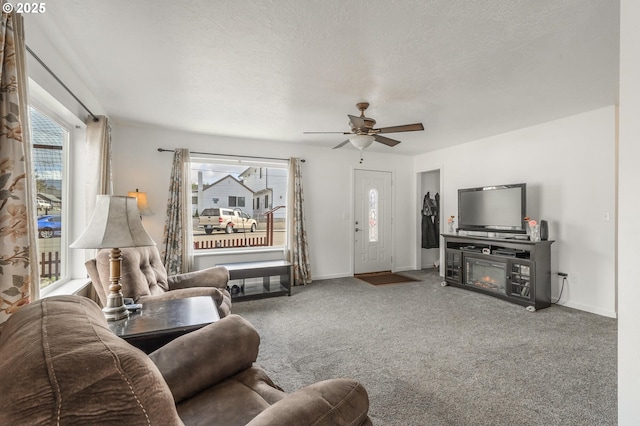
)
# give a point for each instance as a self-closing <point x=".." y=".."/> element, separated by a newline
<point x="115" y="309"/>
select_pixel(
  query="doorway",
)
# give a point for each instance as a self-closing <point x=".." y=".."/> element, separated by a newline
<point x="429" y="190"/>
<point x="372" y="227"/>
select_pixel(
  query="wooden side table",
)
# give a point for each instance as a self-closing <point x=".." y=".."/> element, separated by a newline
<point x="160" y="321"/>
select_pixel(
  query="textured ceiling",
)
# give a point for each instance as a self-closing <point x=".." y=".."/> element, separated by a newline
<point x="274" y="69"/>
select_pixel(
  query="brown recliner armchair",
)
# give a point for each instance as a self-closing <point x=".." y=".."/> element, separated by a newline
<point x="143" y="276"/>
<point x="60" y="364"/>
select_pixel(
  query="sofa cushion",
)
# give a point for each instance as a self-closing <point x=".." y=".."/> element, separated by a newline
<point x="232" y="402"/>
<point x="60" y="364"/>
<point x="334" y="402"/>
<point x="186" y="362"/>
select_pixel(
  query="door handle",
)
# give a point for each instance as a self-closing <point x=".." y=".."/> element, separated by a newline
<point x="357" y="229"/>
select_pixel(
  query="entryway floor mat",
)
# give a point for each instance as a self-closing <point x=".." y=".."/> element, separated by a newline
<point x="383" y="278"/>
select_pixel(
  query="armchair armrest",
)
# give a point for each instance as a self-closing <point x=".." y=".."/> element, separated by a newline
<point x="215" y="293"/>
<point x="200" y="359"/>
<point x="211" y="277"/>
<point x="330" y="402"/>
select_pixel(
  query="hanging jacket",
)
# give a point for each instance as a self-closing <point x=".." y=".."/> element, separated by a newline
<point x="430" y="221"/>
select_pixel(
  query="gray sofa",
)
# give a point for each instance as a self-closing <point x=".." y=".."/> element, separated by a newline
<point x="60" y="364"/>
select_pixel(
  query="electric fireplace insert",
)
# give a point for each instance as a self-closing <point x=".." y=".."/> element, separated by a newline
<point x="486" y="274"/>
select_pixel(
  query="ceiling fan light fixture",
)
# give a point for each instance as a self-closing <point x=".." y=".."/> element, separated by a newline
<point x="361" y="141"/>
<point x="363" y="134"/>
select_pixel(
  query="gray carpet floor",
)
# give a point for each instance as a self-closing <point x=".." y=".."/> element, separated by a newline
<point x="433" y="355"/>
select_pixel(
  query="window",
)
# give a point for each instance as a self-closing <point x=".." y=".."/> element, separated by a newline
<point x="233" y="184"/>
<point x="49" y="144"/>
<point x="235" y="201"/>
<point x="373" y="215"/>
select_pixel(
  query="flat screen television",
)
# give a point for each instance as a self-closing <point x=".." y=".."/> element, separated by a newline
<point x="499" y="208"/>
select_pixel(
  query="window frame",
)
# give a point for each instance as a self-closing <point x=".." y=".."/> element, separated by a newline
<point x="73" y="204"/>
<point x="246" y="162"/>
<point x="64" y="216"/>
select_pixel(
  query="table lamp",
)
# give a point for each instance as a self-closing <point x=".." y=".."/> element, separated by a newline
<point x="115" y="224"/>
<point x="143" y="204"/>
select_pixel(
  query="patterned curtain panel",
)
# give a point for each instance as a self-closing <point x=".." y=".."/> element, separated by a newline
<point x="298" y="233"/>
<point x="178" y="238"/>
<point x="18" y="273"/>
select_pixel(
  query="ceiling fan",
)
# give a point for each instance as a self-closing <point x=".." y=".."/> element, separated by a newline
<point x="363" y="133"/>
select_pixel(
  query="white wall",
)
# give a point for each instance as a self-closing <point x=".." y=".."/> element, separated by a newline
<point x="328" y="183"/>
<point x="628" y="214"/>
<point x="569" y="168"/>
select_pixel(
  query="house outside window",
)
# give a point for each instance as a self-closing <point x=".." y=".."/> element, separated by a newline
<point x="233" y="185"/>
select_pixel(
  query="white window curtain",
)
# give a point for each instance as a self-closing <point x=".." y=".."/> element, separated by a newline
<point x="178" y="237"/>
<point x="98" y="162"/>
<point x="19" y="281"/>
<point x="299" y="251"/>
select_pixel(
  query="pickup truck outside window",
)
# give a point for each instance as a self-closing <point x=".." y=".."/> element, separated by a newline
<point x="227" y="220"/>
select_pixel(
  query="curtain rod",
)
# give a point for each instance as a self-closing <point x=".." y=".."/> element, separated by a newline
<point x="230" y="155"/>
<point x="37" y="58"/>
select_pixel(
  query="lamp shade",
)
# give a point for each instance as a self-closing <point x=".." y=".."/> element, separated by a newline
<point x="115" y="223"/>
<point x="143" y="205"/>
<point x="361" y="141"/>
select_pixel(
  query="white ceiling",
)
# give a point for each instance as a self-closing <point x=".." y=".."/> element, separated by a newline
<point x="274" y="69"/>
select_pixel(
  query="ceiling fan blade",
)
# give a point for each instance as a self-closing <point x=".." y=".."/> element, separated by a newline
<point x="406" y="128"/>
<point x="357" y="122"/>
<point x="385" y="140"/>
<point x="341" y="144"/>
<point x="323" y="133"/>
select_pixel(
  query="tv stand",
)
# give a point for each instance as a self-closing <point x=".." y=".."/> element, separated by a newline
<point x="511" y="269"/>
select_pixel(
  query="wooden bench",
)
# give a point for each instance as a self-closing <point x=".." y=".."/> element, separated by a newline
<point x="266" y="269"/>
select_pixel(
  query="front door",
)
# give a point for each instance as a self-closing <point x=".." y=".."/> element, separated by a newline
<point x="372" y="228"/>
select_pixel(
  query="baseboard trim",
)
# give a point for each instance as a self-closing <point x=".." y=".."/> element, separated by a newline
<point x="590" y="309"/>
<point x="349" y="274"/>
<point x="332" y="276"/>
